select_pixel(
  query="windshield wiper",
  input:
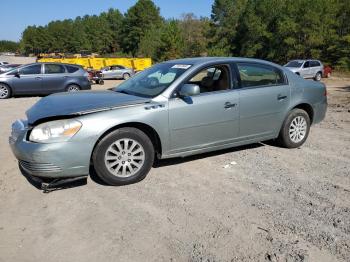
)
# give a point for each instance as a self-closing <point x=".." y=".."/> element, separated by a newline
<point x="122" y="91"/>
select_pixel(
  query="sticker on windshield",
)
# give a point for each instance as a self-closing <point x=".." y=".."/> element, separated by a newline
<point x="181" y="66"/>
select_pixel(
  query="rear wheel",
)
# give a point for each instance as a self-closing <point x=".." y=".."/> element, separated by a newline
<point x="73" y="88"/>
<point x="5" y="91"/>
<point x="318" y="76"/>
<point x="123" y="157"/>
<point x="126" y="76"/>
<point x="295" y="129"/>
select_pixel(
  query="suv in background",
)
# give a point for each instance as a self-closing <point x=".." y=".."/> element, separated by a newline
<point x="306" y="68"/>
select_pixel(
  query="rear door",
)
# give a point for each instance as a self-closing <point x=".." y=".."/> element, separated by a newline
<point x="263" y="98"/>
<point x="207" y="119"/>
<point x="54" y="78"/>
<point x="29" y="80"/>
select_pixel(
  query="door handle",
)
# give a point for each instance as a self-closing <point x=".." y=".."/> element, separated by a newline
<point x="281" y="97"/>
<point x="38" y="78"/>
<point x="230" y="105"/>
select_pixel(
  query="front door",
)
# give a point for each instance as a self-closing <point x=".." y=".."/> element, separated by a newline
<point x="263" y="99"/>
<point x="306" y="70"/>
<point x="208" y="119"/>
<point x="28" y="80"/>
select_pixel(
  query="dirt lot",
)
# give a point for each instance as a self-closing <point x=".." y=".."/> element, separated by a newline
<point x="268" y="203"/>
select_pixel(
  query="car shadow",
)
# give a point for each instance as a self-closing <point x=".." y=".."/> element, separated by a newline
<point x="180" y="160"/>
<point x="38" y="182"/>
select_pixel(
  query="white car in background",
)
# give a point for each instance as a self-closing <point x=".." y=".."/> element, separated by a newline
<point x="306" y="68"/>
<point x="3" y="63"/>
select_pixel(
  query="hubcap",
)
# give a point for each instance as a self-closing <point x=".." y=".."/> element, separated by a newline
<point x="3" y="91"/>
<point x="125" y="157"/>
<point x="126" y="76"/>
<point x="73" y="89"/>
<point x="297" y="129"/>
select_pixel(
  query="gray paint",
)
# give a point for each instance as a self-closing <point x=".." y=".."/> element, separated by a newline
<point x="44" y="84"/>
<point x="185" y="126"/>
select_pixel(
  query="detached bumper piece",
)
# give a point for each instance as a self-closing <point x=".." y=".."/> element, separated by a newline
<point x="52" y="184"/>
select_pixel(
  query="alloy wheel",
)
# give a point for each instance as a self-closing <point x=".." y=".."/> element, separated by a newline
<point x="4" y="92"/>
<point x="73" y="88"/>
<point x="297" y="129"/>
<point x="125" y="157"/>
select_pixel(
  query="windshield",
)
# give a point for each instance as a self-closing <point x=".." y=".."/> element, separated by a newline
<point x="294" y="64"/>
<point x="153" y="81"/>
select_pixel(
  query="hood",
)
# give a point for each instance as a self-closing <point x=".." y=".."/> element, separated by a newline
<point x="293" y="69"/>
<point x="80" y="103"/>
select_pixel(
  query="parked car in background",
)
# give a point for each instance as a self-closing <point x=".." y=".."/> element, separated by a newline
<point x="306" y="68"/>
<point x="4" y="63"/>
<point x="173" y="109"/>
<point x="117" y="72"/>
<point x="43" y="79"/>
<point x="8" y="67"/>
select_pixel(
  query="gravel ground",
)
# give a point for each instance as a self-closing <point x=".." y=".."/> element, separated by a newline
<point x="252" y="203"/>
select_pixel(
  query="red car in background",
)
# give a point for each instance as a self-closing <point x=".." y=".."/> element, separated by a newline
<point x="327" y="71"/>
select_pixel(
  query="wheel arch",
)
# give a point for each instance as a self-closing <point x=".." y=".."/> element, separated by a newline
<point x="147" y="129"/>
<point x="307" y="108"/>
<point x="71" y="84"/>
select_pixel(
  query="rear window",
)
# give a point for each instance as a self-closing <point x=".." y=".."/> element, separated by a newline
<point x="54" y="69"/>
<point x="72" y="69"/>
<point x="259" y="75"/>
<point x="315" y="63"/>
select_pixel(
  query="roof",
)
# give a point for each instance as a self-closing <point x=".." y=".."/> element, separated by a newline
<point x="204" y="60"/>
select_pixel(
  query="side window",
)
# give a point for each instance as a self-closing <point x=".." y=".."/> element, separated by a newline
<point x="72" y="69"/>
<point x="306" y="64"/>
<point x="216" y="78"/>
<point x="315" y="64"/>
<point x="259" y="75"/>
<point x="54" y="69"/>
<point x="30" y="70"/>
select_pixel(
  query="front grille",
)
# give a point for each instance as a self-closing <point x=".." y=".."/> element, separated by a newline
<point x="39" y="167"/>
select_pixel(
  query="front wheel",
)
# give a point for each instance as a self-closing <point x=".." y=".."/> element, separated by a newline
<point x="295" y="129"/>
<point x="123" y="157"/>
<point x="5" y="91"/>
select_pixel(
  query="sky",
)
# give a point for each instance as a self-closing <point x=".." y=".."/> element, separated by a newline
<point x="16" y="15"/>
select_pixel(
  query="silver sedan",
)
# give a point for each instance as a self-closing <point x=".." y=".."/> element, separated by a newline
<point x="173" y="109"/>
<point x="117" y="72"/>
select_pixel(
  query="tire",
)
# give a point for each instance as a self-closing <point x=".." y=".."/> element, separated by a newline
<point x="101" y="82"/>
<point x="126" y="76"/>
<point x="118" y="165"/>
<point x="5" y="91"/>
<point x="318" y="76"/>
<point x="73" y="88"/>
<point x="298" y="120"/>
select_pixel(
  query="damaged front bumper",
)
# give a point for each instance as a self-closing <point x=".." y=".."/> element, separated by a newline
<point x="55" y="160"/>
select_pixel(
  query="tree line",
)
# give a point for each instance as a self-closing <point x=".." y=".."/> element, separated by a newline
<point x="8" y="46"/>
<point x="276" y="30"/>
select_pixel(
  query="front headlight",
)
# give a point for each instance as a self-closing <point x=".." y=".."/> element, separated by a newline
<point x="55" y="131"/>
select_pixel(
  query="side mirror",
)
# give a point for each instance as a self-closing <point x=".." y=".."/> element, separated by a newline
<point x="17" y="74"/>
<point x="189" y="90"/>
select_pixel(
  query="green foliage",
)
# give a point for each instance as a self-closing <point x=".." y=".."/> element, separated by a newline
<point x="8" y="46"/>
<point x="276" y="30"/>
<point x="140" y="18"/>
